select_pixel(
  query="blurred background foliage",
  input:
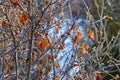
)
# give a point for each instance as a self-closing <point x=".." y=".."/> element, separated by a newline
<point x="111" y="8"/>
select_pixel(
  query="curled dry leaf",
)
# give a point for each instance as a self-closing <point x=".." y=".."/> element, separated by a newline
<point x="78" y="37"/>
<point x="109" y="17"/>
<point x="40" y="45"/>
<point x="23" y="18"/>
<point x="91" y="34"/>
<point x="44" y="43"/>
<point x="17" y="40"/>
<point x="2" y="22"/>
<point x="41" y="71"/>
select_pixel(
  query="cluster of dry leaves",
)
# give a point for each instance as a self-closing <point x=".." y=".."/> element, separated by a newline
<point x="21" y="31"/>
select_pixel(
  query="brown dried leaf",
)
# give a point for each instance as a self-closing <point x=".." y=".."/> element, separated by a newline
<point x="23" y="18"/>
<point x="77" y="37"/>
<point x="44" y="43"/>
<point x="91" y="34"/>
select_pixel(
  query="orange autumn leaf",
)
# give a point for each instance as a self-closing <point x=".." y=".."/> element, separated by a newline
<point x="40" y="45"/>
<point x="44" y="43"/>
<point x="109" y="17"/>
<point x="42" y="70"/>
<point x="23" y="18"/>
<point x="2" y="22"/>
<point x="94" y="37"/>
<point x="17" y="40"/>
<point x="91" y="34"/>
<point x="77" y="37"/>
